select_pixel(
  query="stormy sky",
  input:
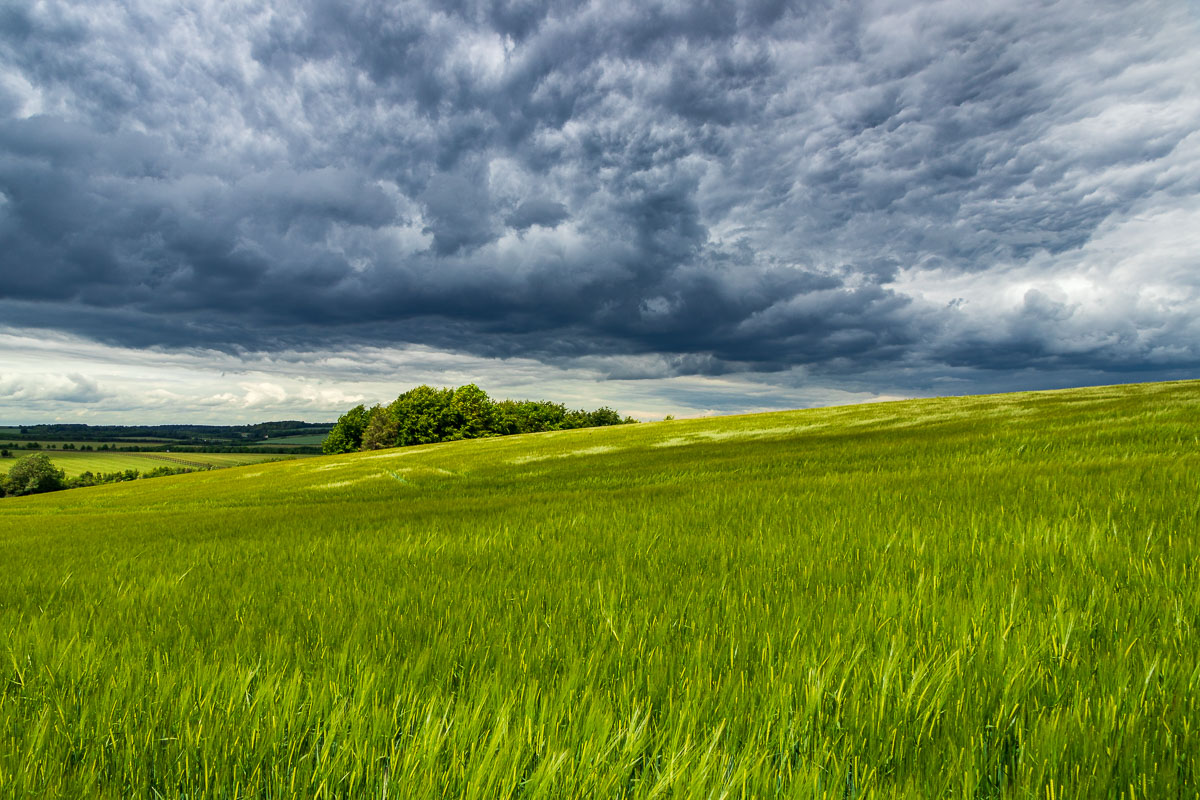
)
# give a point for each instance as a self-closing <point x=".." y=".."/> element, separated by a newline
<point x="236" y="211"/>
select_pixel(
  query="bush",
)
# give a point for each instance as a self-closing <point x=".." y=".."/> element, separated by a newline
<point x="34" y="474"/>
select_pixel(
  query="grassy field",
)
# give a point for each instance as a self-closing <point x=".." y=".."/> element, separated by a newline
<point x="74" y="462"/>
<point x="303" y="439"/>
<point x="972" y="598"/>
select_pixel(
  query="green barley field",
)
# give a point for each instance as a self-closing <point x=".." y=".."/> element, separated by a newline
<point x="983" y="597"/>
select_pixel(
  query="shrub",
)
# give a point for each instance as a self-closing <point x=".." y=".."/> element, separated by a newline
<point x="34" y="474"/>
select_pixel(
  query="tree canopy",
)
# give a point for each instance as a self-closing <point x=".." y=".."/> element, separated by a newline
<point x="32" y="475"/>
<point x="424" y="415"/>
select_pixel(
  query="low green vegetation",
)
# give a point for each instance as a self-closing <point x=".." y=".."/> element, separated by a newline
<point x="983" y="597"/>
<point x="425" y="415"/>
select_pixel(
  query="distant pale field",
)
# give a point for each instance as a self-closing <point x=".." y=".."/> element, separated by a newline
<point x="74" y="462"/>
<point x="985" y="597"/>
<point x="300" y="439"/>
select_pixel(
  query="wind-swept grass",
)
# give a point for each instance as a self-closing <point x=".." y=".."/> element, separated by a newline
<point x="971" y="597"/>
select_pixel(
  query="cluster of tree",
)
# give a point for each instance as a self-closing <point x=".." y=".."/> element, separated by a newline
<point x="425" y="415"/>
<point x="36" y="473"/>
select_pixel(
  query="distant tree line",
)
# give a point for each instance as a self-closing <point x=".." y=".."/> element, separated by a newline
<point x="425" y="415"/>
<point x="5" y="452"/>
<point x="35" y="474"/>
<point x="83" y="448"/>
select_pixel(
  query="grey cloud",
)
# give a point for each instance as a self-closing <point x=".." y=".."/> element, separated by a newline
<point x="459" y="210"/>
<point x="724" y="187"/>
<point x="537" y="211"/>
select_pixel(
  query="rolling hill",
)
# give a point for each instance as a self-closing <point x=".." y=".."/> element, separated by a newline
<point x="991" y="596"/>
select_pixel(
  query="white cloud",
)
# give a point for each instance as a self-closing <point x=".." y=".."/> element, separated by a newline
<point x="149" y="386"/>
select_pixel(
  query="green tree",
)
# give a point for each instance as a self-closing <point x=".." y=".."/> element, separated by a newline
<point x="529" y="416"/>
<point x="422" y="415"/>
<point x="346" y="436"/>
<point x="576" y="419"/>
<point x="382" y="429"/>
<point x="34" y="474"/>
<point x="472" y="413"/>
<point x="603" y="416"/>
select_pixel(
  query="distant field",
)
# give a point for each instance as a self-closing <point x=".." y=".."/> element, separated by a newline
<point x="46" y="444"/>
<point x="75" y="463"/>
<point x="983" y="597"/>
<point x="308" y="438"/>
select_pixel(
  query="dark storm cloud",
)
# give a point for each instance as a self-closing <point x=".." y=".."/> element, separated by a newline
<point x="736" y="186"/>
<point x="537" y="211"/>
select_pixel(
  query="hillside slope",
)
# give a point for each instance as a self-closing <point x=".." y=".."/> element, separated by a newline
<point x="987" y="597"/>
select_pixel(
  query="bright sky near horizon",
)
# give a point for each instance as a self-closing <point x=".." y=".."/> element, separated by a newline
<point x="231" y="212"/>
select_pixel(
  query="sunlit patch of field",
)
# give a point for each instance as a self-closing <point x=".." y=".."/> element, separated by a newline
<point x="967" y="597"/>
<point x="583" y="451"/>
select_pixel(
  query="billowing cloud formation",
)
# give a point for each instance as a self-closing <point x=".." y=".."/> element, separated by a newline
<point x="152" y="385"/>
<point x="896" y="190"/>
